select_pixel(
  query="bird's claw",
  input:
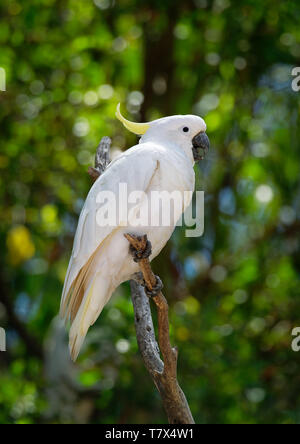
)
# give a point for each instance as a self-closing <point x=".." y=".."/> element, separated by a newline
<point x="156" y="289"/>
<point x="138" y="277"/>
<point x="141" y="254"/>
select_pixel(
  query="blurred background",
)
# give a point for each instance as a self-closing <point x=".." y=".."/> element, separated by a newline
<point x="234" y="292"/>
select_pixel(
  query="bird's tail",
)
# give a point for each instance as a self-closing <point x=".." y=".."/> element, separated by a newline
<point x="95" y="297"/>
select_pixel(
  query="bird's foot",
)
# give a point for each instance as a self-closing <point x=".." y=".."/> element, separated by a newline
<point x="156" y="289"/>
<point x="138" y="277"/>
<point x="141" y="254"/>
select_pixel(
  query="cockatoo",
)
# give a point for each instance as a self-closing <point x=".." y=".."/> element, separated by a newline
<point x="100" y="261"/>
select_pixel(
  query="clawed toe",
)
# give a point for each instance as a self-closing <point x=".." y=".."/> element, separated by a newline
<point x="156" y="289"/>
<point x="141" y="254"/>
<point x="138" y="277"/>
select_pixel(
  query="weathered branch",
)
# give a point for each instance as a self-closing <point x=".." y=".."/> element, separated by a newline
<point x="163" y="373"/>
<point x="144" y="329"/>
<point x="102" y="158"/>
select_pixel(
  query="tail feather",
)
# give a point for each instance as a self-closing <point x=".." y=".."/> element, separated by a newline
<point x="95" y="297"/>
<point x="72" y="292"/>
<point x="84" y="298"/>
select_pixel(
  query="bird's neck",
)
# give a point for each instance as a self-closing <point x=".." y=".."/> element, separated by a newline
<point x="173" y="147"/>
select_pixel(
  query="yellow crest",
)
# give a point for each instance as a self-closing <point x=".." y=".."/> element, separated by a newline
<point x="136" y="128"/>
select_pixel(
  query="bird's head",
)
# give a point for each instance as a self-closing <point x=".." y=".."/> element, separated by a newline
<point x="187" y="131"/>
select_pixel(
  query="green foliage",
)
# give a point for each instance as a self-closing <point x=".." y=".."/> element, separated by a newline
<point x="233" y="293"/>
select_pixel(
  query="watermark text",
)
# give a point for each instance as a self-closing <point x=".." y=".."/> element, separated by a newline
<point x="2" y="340"/>
<point x="152" y="209"/>
<point x="296" y="80"/>
<point x="296" y="341"/>
<point x="2" y="79"/>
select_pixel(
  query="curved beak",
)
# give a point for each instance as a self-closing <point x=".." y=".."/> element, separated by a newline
<point x="200" y="146"/>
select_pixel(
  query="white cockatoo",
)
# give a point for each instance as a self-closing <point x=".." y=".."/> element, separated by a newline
<point x="100" y="261"/>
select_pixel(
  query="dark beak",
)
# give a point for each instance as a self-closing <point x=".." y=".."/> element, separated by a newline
<point x="200" y="146"/>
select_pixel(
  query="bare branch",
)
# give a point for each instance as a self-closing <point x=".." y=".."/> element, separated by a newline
<point x="144" y="329"/>
<point x="173" y="398"/>
<point x="102" y="158"/>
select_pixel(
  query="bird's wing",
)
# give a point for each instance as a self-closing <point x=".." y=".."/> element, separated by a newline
<point x="136" y="167"/>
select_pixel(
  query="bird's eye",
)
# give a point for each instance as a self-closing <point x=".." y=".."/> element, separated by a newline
<point x="185" y="129"/>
